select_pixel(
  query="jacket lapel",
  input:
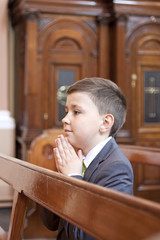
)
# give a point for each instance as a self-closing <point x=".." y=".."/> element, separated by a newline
<point x="102" y="156"/>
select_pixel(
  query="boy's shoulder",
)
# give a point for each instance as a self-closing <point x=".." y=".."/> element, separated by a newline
<point x="112" y="152"/>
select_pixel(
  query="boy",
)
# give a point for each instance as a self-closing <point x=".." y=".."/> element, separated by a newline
<point x="95" y="111"/>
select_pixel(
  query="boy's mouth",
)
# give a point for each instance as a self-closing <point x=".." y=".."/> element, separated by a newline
<point x="67" y="130"/>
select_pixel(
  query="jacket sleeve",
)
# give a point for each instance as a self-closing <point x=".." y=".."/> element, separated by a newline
<point x="118" y="176"/>
<point x="50" y="220"/>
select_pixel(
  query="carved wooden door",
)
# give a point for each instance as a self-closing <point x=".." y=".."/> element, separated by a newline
<point x="57" y="43"/>
<point x="144" y="75"/>
<point x="69" y="53"/>
<point x="143" y="48"/>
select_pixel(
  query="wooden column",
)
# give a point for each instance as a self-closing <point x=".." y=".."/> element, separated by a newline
<point x="120" y="66"/>
<point x="104" y="47"/>
<point x="31" y="82"/>
<point x="7" y="124"/>
<point x="4" y="56"/>
<point x="119" y="71"/>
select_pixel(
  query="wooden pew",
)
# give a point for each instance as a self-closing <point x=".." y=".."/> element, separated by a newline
<point x="103" y="213"/>
<point x="145" y="162"/>
<point x="146" y="167"/>
<point x="40" y="152"/>
<point x="142" y="154"/>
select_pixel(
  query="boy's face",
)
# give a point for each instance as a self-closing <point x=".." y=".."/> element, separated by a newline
<point x="82" y="122"/>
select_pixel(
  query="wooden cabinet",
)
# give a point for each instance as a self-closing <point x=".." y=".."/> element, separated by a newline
<point x="141" y="69"/>
<point x="68" y="51"/>
<point x="57" y="43"/>
<point x="143" y="47"/>
<point x="141" y="25"/>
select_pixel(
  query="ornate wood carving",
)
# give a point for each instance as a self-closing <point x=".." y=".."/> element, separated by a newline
<point x="143" y="44"/>
<point x="58" y="38"/>
<point x="82" y="38"/>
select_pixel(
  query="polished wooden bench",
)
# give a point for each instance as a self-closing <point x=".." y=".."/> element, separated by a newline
<point x="146" y="167"/>
<point x="145" y="162"/>
<point x="142" y="154"/>
<point x="103" y="213"/>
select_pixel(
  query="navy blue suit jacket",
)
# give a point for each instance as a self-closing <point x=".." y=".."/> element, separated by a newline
<point x="110" y="169"/>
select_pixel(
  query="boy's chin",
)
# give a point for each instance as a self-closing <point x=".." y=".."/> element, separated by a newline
<point x="73" y="144"/>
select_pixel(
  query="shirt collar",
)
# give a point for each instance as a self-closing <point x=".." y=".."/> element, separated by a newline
<point x="94" y="152"/>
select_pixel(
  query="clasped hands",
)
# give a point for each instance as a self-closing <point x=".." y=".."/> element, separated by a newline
<point x="67" y="160"/>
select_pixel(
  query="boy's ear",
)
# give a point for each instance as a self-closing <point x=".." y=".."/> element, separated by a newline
<point x="107" y="123"/>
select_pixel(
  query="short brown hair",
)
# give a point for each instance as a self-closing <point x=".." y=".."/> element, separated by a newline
<point x="106" y="95"/>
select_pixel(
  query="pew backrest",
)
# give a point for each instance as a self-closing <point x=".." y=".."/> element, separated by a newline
<point x="142" y="154"/>
<point x="146" y="167"/>
<point x="40" y="152"/>
<point x="101" y="212"/>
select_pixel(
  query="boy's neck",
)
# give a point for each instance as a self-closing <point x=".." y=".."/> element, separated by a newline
<point x="86" y="151"/>
<point x="95" y="151"/>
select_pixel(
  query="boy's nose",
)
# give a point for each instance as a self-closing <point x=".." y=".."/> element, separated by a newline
<point x="65" y="120"/>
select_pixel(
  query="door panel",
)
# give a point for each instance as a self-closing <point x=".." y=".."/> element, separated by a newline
<point x="144" y="74"/>
<point x="69" y="54"/>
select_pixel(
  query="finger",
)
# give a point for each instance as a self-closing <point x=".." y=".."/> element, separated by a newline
<point x="69" y="146"/>
<point x="57" y="157"/>
<point x="80" y="155"/>
<point x="60" y="148"/>
<point x="65" y="147"/>
<point x="63" y="142"/>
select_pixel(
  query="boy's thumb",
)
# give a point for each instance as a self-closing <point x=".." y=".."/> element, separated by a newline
<point x="80" y="155"/>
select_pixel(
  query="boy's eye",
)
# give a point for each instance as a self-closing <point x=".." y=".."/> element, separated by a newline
<point x="76" y="112"/>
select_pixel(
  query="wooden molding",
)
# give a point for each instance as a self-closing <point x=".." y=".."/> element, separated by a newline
<point x="137" y="7"/>
<point x="89" y="8"/>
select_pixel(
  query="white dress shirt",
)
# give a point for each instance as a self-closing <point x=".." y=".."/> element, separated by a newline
<point x="92" y="154"/>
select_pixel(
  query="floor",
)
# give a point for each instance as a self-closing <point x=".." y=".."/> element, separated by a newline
<point x="5" y="214"/>
<point x="5" y="218"/>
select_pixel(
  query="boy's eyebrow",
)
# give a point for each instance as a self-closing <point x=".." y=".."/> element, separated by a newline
<point x="73" y="106"/>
